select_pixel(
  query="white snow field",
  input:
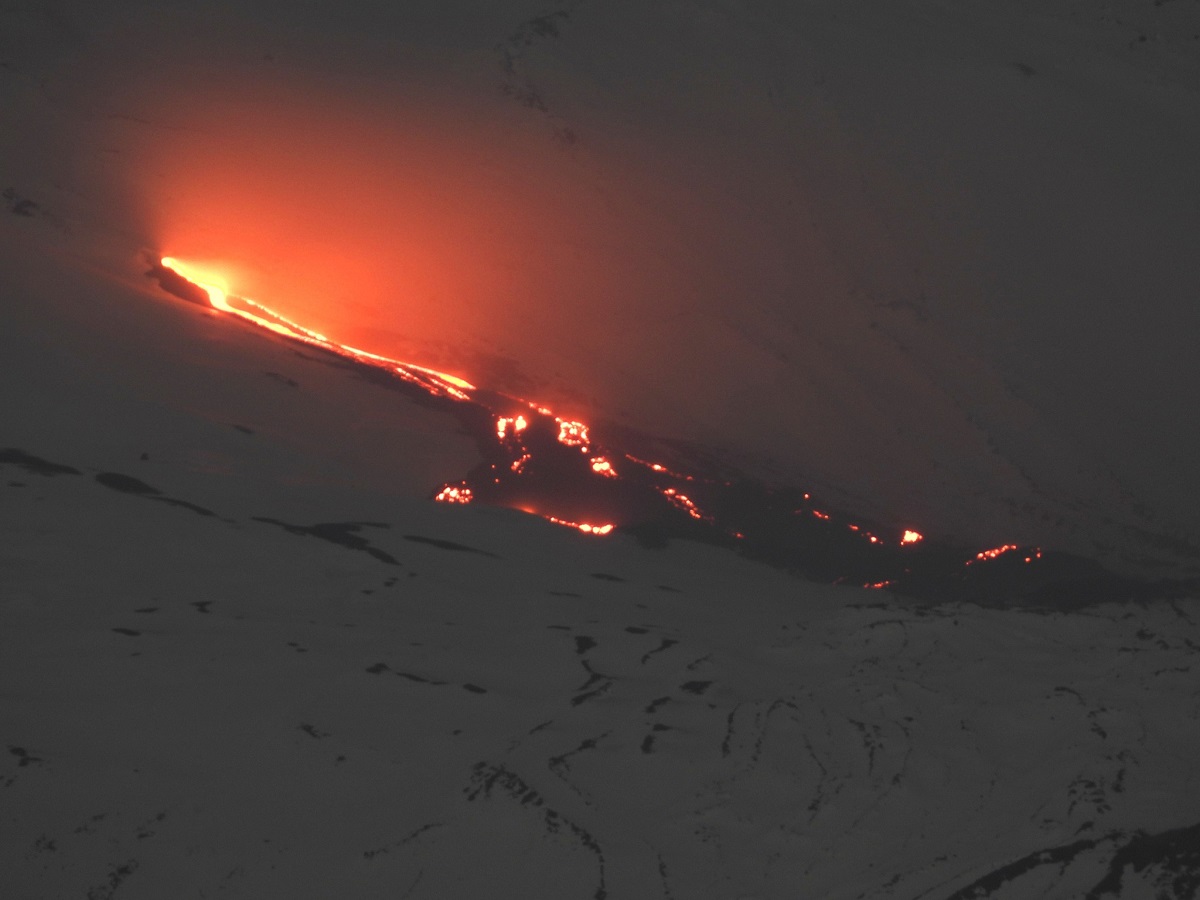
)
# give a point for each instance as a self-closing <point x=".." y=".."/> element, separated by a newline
<point x="937" y="260"/>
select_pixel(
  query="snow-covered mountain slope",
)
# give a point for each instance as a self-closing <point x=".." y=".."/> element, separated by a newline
<point x="252" y="665"/>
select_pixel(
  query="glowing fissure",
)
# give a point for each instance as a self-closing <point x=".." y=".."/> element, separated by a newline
<point x="682" y="501"/>
<point x="540" y="463"/>
<point x="661" y="469"/>
<point x="438" y="383"/>
<point x="583" y="526"/>
<point x="1030" y="554"/>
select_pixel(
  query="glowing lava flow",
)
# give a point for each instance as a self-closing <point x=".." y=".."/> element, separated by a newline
<point x="439" y="383"/>
<point x="506" y="425"/>
<point x="602" y="466"/>
<point x="553" y="467"/>
<point x="573" y="434"/>
<point x="583" y="526"/>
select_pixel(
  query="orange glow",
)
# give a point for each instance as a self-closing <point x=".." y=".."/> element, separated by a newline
<point x="439" y="383"/>
<point x="504" y="424"/>
<point x="455" y="493"/>
<point x="984" y="555"/>
<point x="879" y="585"/>
<point x="821" y="515"/>
<point x="683" y="502"/>
<point x="912" y="537"/>
<point x="602" y="466"/>
<point x="518" y="465"/>
<point x="573" y="434"/>
<point x="583" y="526"/>
<point x="657" y="467"/>
<point x="216" y="294"/>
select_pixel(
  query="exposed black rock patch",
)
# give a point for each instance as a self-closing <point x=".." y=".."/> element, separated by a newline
<point x="24" y="757"/>
<point x="116" y="878"/>
<point x="666" y="644"/>
<point x="312" y="731"/>
<point x="371" y="854"/>
<point x="34" y="464"/>
<point x="243" y="429"/>
<point x="344" y="534"/>
<point x="1174" y="856"/>
<point x="447" y="545"/>
<point x="127" y="484"/>
<point x="474" y="689"/>
<point x="129" y="632"/>
<point x="583" y="644"/>
<point x="604" y="576"/>
<point x="18" y="205"/>
<point x="283" y="379"/>
<point x="695" y="687"/>
<point x="990" y="883"/>
<point x="378" y="668"/>
<point x="418" y="679"/>
<point x="202" y="606"/>
<point x="585" y="696"/>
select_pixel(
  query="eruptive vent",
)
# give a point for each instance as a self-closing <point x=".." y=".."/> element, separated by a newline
<point x="555" y="468"/>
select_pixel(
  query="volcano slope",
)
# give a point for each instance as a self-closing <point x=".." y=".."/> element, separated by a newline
<point x="245" y="654"/>
<point x="940" y="259"/>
